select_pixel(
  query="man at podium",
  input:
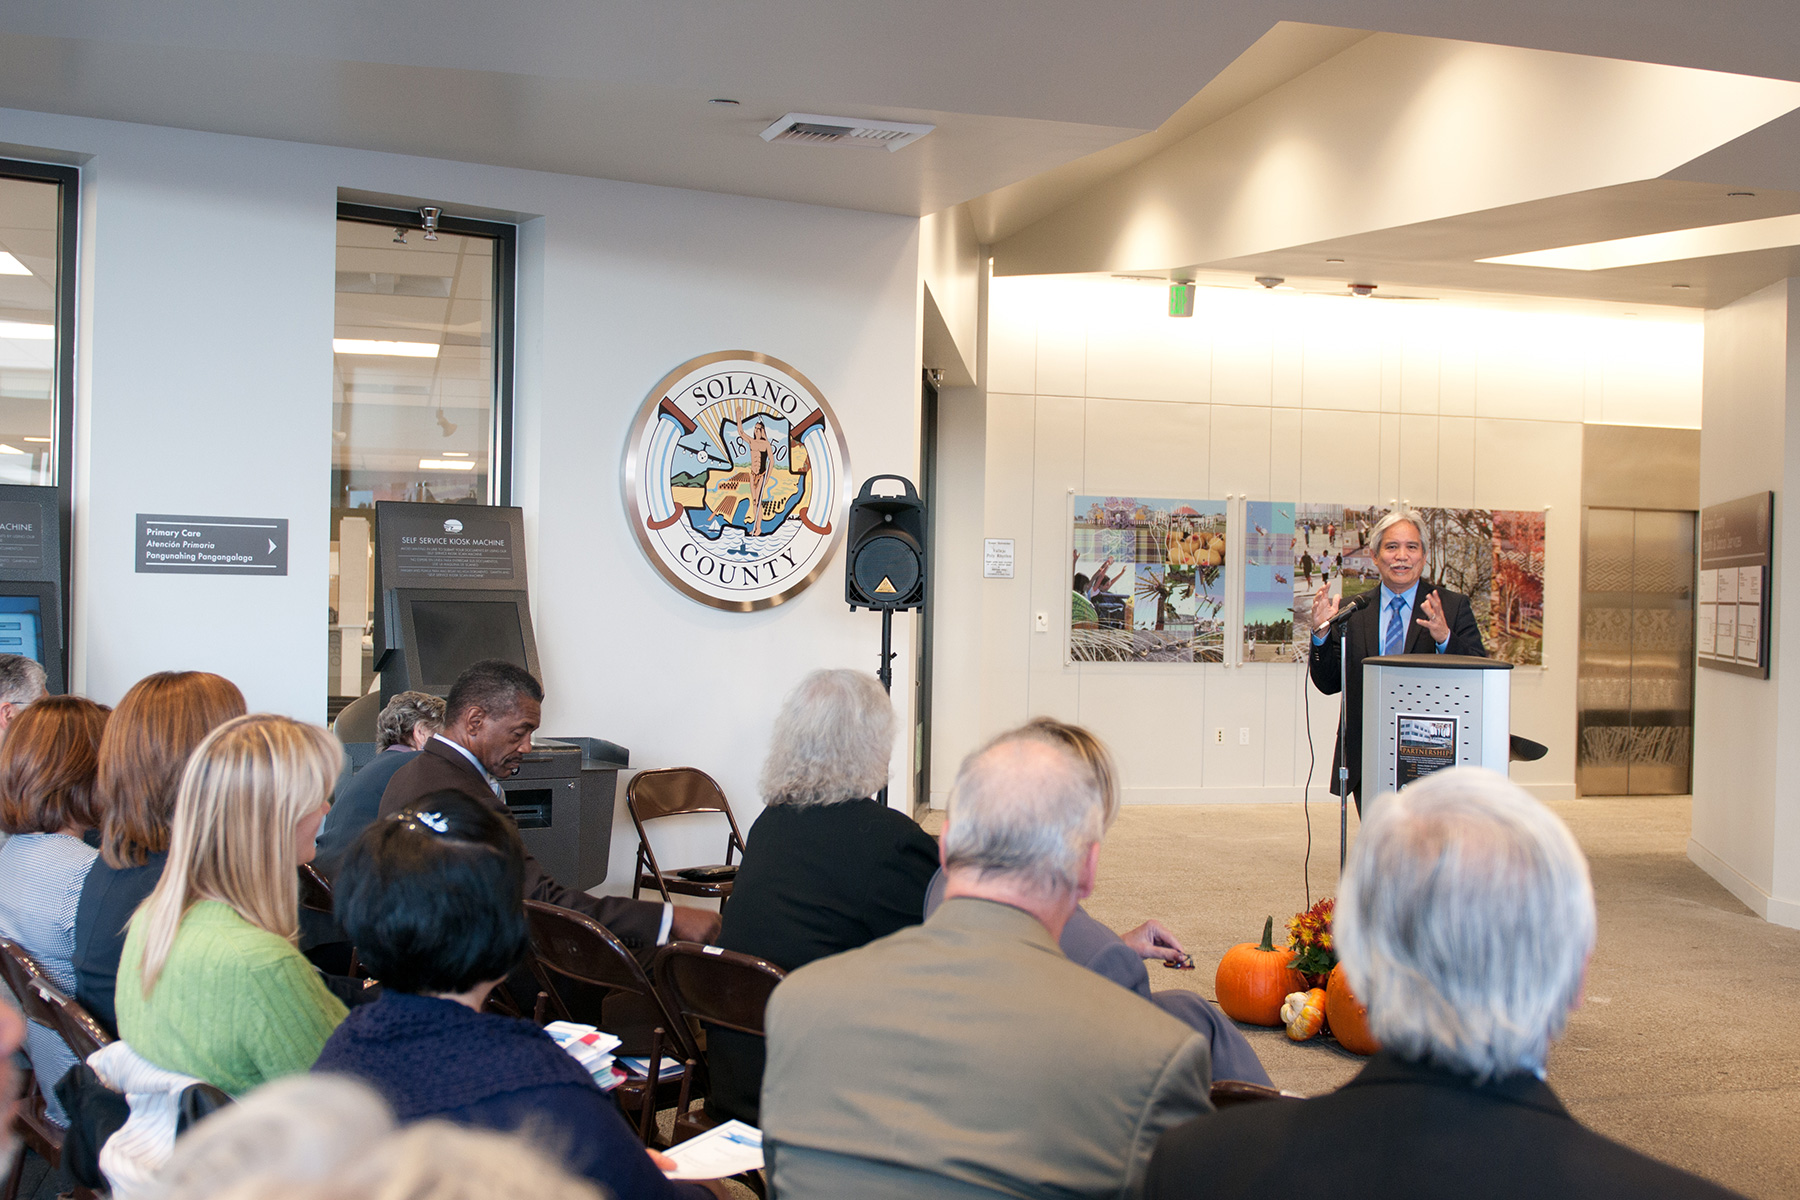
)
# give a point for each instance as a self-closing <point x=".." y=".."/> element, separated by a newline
<point x="1405" y="615"/>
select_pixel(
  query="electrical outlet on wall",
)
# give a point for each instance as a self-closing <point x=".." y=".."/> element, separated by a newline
<point x="1043" y="623"/>
<point x="1243" y="735"/>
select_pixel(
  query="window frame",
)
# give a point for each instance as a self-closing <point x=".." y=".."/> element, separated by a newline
<point x="506" y="278"/>
<point x="62" y="383"/>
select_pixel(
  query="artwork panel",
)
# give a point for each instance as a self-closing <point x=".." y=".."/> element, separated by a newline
<point x="1149" y="580"/>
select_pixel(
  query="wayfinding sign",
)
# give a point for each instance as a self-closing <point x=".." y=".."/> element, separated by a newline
<point x="177" y="545"/>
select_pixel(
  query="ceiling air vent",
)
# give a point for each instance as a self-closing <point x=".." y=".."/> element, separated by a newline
<point x="844" y="131"/>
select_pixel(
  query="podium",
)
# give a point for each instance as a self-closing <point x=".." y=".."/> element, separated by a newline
<point x="1424" y="712"/>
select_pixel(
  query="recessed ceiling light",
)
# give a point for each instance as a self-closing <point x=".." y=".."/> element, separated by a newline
<point x="1740" y="193"/>
<point x="391" y="349"/>
<point x="1679" y="286"/>
<point x="1704" y="241"/>
<point x="445" y="464"/>
<point x="12" y="266"/>
<point x="46" y="441"/>
<point x="27" y="331"/>
<point x="456" y="454"/>
<point x="723" y="100"/>
<point x="1334" y="260"/>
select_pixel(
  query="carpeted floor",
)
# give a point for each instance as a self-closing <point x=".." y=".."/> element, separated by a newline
<point x="1684" y="1049"/>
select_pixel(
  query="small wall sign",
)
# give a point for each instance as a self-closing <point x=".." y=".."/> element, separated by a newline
<point x="173" y="545"/>
<point x="997" y="558"/>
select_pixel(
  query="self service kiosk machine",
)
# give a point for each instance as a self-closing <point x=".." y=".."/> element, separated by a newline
<point x="451" y="591"/>
<point x="31" y="580"/>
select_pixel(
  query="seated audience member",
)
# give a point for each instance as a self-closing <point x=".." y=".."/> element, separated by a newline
<point x="210" y="984"/>
<point x="433" y="898"/>
<point x="47" y="804"/>
<point x="408" y="721"/>
<point x="12" y="1039"/>
<point x="1088" y="943"/>
<point x="966" y="1057"/>
<point x="22" y="684"/>
<point x="826" y="868"/>
<point x="492" y="711"/>
<point x="142" y="753"/>
<point x="1465" y="920"/>
<point x="327" y="1138"/>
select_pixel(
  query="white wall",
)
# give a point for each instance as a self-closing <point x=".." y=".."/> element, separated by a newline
<point x="1746" y="800"/>
<point x="1091" y="388"/>
<point x="205" y="387"/>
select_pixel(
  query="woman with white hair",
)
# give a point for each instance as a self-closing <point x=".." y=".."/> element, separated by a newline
<point x="826" y="867"/>
<point x="1465" y="920"/>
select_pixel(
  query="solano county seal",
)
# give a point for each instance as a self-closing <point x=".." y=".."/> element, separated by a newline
<point x="737" y="479"/>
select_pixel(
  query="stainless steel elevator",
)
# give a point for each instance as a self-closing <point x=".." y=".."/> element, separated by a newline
<point x="1634" y="700"/>
<point x="1635" y="682"/>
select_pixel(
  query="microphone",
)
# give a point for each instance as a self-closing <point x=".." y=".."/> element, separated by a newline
<point x="1357" y="604"/>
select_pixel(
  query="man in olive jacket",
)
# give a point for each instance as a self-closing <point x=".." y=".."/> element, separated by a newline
<point x="966" y="1057"/>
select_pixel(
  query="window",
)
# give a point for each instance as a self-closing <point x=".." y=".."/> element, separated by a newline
<point x="421" y="392"/>
<point x="38" y="207"/>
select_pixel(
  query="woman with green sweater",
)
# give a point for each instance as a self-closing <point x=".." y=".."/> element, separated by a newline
<point x="210" y="984"/>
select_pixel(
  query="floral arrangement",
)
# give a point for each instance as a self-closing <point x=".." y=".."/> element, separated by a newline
<point x="1309" y="937"/>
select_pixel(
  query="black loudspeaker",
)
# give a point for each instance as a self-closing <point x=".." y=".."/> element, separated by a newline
<point x="885" y="568"/>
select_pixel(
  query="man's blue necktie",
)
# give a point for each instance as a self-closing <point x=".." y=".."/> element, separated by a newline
<point x="1392" y="640"/>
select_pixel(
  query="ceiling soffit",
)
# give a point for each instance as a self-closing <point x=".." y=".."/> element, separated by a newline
<point x="1396" y="131"/>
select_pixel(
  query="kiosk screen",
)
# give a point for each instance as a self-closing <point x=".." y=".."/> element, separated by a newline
<point x="449" y="635"/>
<point x="21" y="623"/>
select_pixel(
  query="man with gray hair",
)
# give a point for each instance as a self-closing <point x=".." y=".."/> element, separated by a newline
<point x="966" y="1057"/>
<point x="1405" y="615"/>
<point x="22" y="684"/>
<point x="1465" y="920"/>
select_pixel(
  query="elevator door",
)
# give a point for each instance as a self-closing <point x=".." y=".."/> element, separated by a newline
<point x="1636" y="676"/>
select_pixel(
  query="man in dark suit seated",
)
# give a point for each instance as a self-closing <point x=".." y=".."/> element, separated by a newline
<point x="492" y="711"/>
<point x="407" y="722"/>
<point x="1465" y="920"/>
<point x="1405" y="615"/>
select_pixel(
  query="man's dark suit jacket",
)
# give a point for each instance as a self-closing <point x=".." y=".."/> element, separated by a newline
<point x="1365" y="642"/>
<point x="355" y="806"/>
<point x="439" y="768"/>
<point x="1403" y="1130"/>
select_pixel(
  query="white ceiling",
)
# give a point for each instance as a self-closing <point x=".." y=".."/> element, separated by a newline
<point x="1036" y="101"/>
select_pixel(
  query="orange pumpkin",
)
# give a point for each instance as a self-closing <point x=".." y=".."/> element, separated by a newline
<point x="1347" y="1018"/>
<point x="1254" y="979"/>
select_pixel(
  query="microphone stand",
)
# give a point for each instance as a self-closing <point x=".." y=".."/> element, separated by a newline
<point x="1343" y="745"/>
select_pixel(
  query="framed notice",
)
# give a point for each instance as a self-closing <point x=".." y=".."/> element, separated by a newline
<point x="1423" y="744"/>
<point x="1733" y="626"/>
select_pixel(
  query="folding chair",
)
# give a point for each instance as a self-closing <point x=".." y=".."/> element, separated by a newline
<point x="43" y="1003"/>
<point x="586" y="974"/>
<point x="706" y="985"/>
<point x="672" y="791"/>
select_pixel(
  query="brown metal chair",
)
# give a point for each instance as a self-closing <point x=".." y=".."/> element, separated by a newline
<point x="43" y="1003"/>
<point x="315" y="891"/>
<point x="673" y="791"/>
<point x="707" y="985"/>
<point x="586" y="974"/>
<point x="1228" y="1093"/>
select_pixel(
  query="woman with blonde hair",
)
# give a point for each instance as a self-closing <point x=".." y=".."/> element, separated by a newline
<point x="142" y="754"/>
<point x="210" y="984"/>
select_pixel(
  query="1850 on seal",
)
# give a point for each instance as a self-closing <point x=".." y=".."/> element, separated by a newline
<point x="737" y="480"/>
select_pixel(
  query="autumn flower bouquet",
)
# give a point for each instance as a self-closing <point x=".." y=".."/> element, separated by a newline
<point x="1309" y="938"/>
